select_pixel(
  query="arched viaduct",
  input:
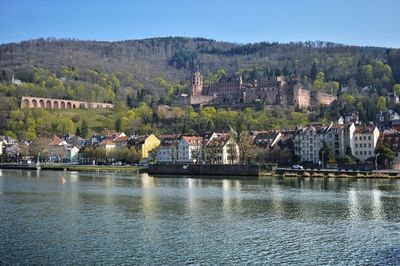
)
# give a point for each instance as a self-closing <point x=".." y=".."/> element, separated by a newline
<point x="48" y="103"/>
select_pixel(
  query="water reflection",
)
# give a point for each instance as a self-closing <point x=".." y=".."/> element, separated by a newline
<point x="74" y="177"/>
<point x="276" y="194"/>
<point x="354" y="206"/>
<point x="191" y="197"/>
<point x="149" y="199"/>
<point x="377" y="208"/>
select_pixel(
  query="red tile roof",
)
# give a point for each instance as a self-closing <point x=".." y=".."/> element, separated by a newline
<point x="193" y="139"/>
<point x="107" y="142"/>
<point x="121" y="139"/>
<point x="55" y="141"/>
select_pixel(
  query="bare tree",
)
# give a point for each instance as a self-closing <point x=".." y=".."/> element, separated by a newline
<point x="245" y="147"/>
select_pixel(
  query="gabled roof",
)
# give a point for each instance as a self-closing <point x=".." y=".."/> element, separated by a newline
<point x="218" y="142"/>
<point x="265" y="138"/>
<point x="365" y="129"/>
<point x="267" y="134"/>
<point x="168" y="136"/>
<point x="121" y="139"/>
<point x="77" y="138"/>
<point x="193" y="140"/>
<point x="168" y="140"/>
<point x="55" y="141"/>
<point x="113" y="135"/>
<point x="107" y="142"/>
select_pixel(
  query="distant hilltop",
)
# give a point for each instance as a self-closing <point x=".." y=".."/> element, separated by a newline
<point x="175" y="58"/>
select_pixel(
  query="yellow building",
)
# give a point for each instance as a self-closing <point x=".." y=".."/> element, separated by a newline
<point x="145" y="144"/>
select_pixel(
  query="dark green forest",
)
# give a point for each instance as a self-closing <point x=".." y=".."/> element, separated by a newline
<point x="139" y="75"/>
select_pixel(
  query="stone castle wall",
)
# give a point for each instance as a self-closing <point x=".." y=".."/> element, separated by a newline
<point x="200" y="99"/>
<point x="49" y="103"/>
<point x="321" y="98"/>
<point x="274" y="91"/>
<point x="302" y="98"/>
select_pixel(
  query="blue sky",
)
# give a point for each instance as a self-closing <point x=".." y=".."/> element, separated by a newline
<point x="357" y="22"/>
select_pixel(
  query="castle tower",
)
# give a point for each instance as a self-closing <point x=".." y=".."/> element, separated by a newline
<point x="197" y="83"/>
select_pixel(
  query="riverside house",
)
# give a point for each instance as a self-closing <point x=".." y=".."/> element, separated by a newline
<point x="190" y="149"/>
<point x="167" y="152"/>
<point x="144" y="143"/>
<point x="222" y="149"/>
<point x="365" y="140"/>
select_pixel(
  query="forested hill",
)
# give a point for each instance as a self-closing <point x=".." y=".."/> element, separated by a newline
<point x="139" y="76"/>
<point x="173" y="58"/>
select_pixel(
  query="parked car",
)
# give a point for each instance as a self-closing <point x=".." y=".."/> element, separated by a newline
<point x="297" y="167"/>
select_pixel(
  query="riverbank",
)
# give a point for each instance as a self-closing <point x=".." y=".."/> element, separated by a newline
<point x="210" y="171"/>
<point x="205" y="169"/>
<point x="87" y="168"/>
<point x="286" y="172"/>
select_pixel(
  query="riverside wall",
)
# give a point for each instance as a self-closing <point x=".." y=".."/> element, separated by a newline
<point x="204" y="169"/>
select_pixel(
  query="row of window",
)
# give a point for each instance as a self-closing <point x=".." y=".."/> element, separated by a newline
<point x="365" y="145"/>
<point x="362" y="138"/>
<point x="364" y="152"/>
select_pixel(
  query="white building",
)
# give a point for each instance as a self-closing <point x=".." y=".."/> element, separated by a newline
<point x="167" y="152"/>
<point x="57" y="149"/>
<point x="189" y="149"/>
<point x="365" y="138"/>
<point x="71" y="155"/>
<point x="108" y="145"/>
<point x="222" y="150"/>
<point x="339" y="137"/>
<point x="309" y="140"/>
<point x="3" y="144"/>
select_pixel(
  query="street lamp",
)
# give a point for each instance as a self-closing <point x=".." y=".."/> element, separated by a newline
<point x="376" y="161"/>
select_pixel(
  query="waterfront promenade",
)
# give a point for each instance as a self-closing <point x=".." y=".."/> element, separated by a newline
<point x="213" y="170"/>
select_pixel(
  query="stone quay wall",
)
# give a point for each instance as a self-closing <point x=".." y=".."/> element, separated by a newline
<point x="205" y="169"/>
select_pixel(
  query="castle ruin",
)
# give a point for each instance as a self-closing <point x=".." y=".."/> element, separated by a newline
<point x="273" y="91"/>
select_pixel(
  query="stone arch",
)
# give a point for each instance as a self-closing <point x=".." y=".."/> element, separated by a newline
<point x="48" y="104"/>
<point x="41" y="103"/>
<point x="56" y="105"/>
<point x="74" y="106"/>
<point x="69" y="105"/>
<point x="34" y="103"/>
<point x="26" y="103"/>
<point x="62" y="105"/>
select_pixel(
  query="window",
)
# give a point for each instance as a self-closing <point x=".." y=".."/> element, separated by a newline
<point x="365" y="152"/>
<point x="356" y="145"/>
<point x="369" y="137"/>
<point x="369" y="152"/>
<point x="356" y="152"/>
<point x="365" y="145"/>
<point x="365" y="137"/>
<point x="369" y="145"/>
<point x="355" y="138"/>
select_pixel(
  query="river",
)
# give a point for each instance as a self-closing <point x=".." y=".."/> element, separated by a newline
<point x="114" y="218"/>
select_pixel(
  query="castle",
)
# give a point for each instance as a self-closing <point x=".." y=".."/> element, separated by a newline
<point x="273" y="91"/>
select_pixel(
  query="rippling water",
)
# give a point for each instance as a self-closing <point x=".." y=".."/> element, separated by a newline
<point x="123" y="219"/>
